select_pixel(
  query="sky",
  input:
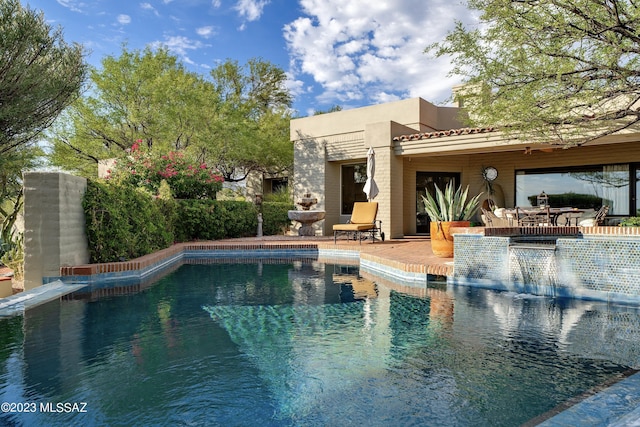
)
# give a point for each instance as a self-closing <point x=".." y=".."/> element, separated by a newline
<point x="350" y="53"/>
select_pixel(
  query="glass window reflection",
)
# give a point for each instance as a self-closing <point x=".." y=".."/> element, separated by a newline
<point x="586" y="187"/>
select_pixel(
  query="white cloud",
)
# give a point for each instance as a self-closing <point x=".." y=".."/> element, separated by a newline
<point x="179" y="45"/>
<point x="124" y="19"/>
<point x="206" y="32"/>
<point x="363" y="52"/>
<point x="251" y="10"/>
<point x="149" y="7"/>
<point x="72" y="5"/>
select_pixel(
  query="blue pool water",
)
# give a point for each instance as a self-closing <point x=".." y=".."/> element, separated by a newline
<point x="304" y="343"/>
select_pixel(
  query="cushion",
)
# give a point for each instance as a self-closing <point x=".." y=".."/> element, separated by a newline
<point x="364" y="212"/>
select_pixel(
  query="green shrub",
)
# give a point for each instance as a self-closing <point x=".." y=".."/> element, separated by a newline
<point x="215" y="219"/>
<point x="281" y="195"/>
<point x="123" y="223"/>
<point x="633" y="221"/>
<point x="275" y="218"/>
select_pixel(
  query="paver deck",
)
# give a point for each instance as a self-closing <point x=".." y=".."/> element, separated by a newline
<point x="408" y="251"/>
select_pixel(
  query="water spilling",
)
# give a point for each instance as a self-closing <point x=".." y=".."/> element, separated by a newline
<point x="533" y="268"/>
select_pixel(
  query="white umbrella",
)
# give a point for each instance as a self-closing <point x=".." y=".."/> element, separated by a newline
<point x="370" y="187"/>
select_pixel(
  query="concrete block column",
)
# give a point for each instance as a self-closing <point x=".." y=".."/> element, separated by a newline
<point x="54" y="225"/>
<point x="388" y="176"/>
<point x="309" y="171"/>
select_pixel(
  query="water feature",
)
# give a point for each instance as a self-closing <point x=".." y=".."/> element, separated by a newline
<point x="533" y="267"/>
<point x="280" y="343"/>
<point x="306" y="217"/>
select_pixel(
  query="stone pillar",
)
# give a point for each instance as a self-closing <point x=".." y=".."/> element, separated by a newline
<point x="54" y="223"/>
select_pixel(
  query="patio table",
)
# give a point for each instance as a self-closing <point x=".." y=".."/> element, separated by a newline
<point x="554" y="213"/>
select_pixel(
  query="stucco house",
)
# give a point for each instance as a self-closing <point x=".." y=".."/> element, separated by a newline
<point x="418" y="144"/>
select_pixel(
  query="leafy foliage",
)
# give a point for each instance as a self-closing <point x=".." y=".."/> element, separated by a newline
<point x="450" y="205"/>
<point x="633" y="221"/>
<point x="123" y="223"/>
<point x="213" y="220"/>
<point x="237" y="121"/>
<point x="40" y="74"/>
<point x="185" y="178"/>
<point x="275" y="217"/>
<point x="13" y="255"/>
<point x="560" y="71"/>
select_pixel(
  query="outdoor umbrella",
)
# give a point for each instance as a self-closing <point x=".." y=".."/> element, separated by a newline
<point x="370" y="187"/>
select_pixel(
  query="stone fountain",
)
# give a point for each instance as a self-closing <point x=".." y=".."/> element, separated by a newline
<point x="306" y="217"/>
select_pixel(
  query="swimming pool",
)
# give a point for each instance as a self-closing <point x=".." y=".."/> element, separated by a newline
<point x="304" y="343"/>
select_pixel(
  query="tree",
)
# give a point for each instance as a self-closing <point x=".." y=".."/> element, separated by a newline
<point x="141" y="95"/>
<point x="12" y="164"/>
<point x="235" y="123"/>
<point x="254" y="120"/>
<point x="333" y="109"/>
<point x="556" y="71"/>
<point x="40" y="74"/>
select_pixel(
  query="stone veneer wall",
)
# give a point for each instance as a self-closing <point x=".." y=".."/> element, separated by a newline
<point x="603" y="266"/>
<point x="54" y="225"/>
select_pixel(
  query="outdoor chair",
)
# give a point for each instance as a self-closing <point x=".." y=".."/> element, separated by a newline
<point x="492" y="220"/>
<point x="533" y="217"/>
<point x="597" y="219"/>
<point x="363" y="220"/>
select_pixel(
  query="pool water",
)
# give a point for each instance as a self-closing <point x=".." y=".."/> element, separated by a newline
<point x="306" y="343"/>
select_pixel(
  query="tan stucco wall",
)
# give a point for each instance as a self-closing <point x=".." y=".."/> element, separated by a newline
<point x="54" y="225"/>
<point x="309" y="172"/>
<point x="323" y="143"/>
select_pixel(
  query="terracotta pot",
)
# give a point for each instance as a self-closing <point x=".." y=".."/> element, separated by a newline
<point x="441" y="238"/>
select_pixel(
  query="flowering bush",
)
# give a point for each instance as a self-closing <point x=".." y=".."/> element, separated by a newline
<point x="186" y="179"/>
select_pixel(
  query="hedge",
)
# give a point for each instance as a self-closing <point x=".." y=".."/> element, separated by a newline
<point x="124" y="223"/>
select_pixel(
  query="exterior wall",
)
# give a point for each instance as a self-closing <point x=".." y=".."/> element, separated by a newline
<point x="470" y="167"/>
<point x="253" y="185"/>
<point x="400" y="133"/>
<point x="54" y="222"/>
<point x="309" y="172"/>
<point x="433" y="164"/>
<point x="344" y="137"/>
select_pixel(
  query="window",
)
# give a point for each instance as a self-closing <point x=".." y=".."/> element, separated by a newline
<point x="586" y="187"/>
<point x="353" y="180"/>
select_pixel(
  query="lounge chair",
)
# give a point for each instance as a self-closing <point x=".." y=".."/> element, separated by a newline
<point x="363" y="220"/>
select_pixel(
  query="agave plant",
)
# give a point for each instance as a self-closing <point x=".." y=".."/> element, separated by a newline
<point x="450" y="205"/>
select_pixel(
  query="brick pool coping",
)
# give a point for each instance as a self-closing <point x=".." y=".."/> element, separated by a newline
<point x="405" y="257"/>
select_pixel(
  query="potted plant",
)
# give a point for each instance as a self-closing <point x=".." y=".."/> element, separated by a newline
<point x="448" y="209"/>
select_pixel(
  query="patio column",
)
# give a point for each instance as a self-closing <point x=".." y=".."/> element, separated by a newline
<point x="309" y="173"/>
<point x="388" y="176"/>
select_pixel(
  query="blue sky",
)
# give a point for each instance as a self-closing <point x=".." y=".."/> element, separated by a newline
<point x="350" y="53"/>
